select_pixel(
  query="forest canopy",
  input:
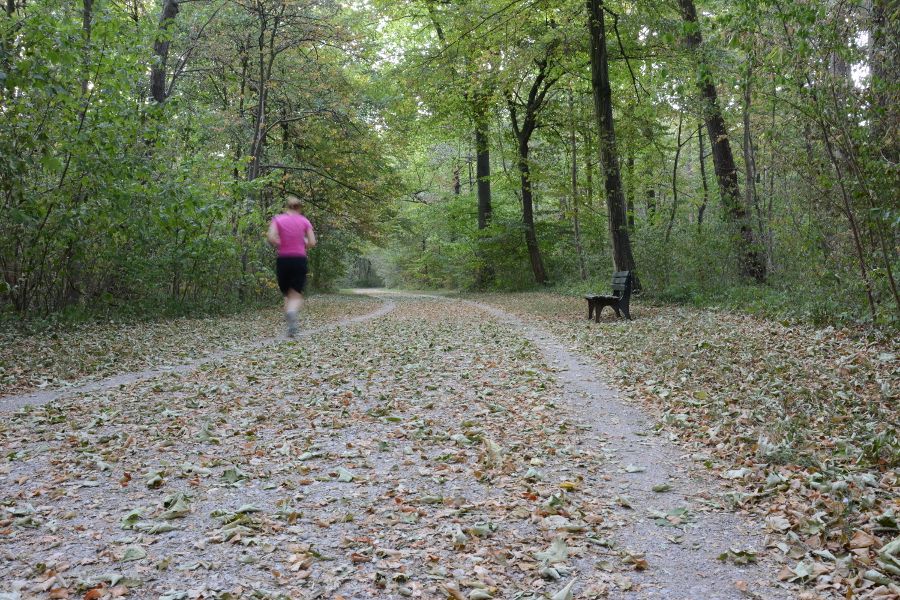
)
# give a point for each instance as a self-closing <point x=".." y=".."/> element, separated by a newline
<point x="741" y="152"/>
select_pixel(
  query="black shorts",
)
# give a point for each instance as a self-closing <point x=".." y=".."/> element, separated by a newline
<point x="291" y="271"/>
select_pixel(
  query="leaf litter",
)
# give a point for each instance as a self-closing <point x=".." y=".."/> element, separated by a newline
<point x="377" y="460"/>
<point x="800" y="423"/>
<point x="61" y="356"/>
<point x="436" y="416"/>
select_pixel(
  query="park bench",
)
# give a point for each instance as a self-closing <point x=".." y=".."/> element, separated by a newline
<point x="622" y="282"/>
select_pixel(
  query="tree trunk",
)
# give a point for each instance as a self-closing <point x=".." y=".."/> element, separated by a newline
<point x="161" y="51"/>
<point x="589" y="166"/>
<point x="615" y="198"/>
<point x="751" y="264"/>
<point x="573" y="143"/>
<point x="885" y="62"/>
<point x="482" y="165"/>
<point x="534" y="251"/>
<point x="485" y="273"/>
<point x="87" y="17"/>
<point x="751" y="195"/>
<point x="675" y="178"/>
<point x="523" y="131"/>
<point x="629" y="190"/>
<point x="257" y="143"/>
<point x="267" y="52"/>
<point x="579" y="246"/>
<point x="702" y="209"/>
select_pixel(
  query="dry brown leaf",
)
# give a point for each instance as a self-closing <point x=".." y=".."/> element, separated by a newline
<point x="94" y="593"/>
<point x="861" y="539"/>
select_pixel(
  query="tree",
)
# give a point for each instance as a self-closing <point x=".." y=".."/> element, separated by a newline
<point x="576" y="221"/>
<point x="480" y="109"/>
<point x="752" y="264"/>
<point x="529" y="107"/>
<point x="885" y="65"/>
<point x="609" y="156"/>
<point x="158" y="89"/>
<point x="87" y="168"/>
<point x="478" y="97"/>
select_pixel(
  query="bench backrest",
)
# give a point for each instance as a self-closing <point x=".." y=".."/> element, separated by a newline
<point x="621" y="283"/>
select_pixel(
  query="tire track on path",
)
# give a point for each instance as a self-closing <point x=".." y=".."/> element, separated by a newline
<point x="38" y="398"/>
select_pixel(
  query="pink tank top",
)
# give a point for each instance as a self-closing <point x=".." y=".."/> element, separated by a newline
<point x="292" y="233"/>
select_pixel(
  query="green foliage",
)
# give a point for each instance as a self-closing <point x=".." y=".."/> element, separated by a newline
<point x="112" y="201"/>
<point x="790" y="85"/>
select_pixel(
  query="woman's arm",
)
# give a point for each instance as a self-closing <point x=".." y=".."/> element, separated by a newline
<point x="310" y="237"/>
<point x="272" y="235"/>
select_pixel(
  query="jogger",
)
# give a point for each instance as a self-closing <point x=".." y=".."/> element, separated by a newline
<point x="291" y="234"/>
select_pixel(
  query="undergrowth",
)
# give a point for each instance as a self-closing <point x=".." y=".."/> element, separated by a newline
<point x="799" y="303"/>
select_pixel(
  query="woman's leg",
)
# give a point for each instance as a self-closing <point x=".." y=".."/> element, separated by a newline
<point x="293" y="301"/>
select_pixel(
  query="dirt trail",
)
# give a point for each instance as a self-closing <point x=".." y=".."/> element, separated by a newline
<point x="683" y="564"/>
<point x="443" y="449"/>
<point x="685" y="558"/>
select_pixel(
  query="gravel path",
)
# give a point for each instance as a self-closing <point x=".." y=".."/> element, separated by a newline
<point x="442" y="449"/>
<point x="686" y="561"/>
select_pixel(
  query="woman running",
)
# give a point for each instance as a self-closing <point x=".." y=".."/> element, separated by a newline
<point x="291" y="234"/>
